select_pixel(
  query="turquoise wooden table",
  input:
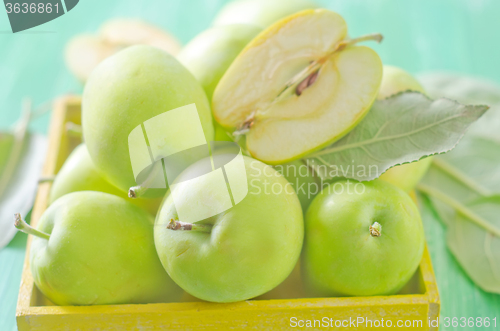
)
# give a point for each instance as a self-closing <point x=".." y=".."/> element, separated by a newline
<point x="420" y="35"/>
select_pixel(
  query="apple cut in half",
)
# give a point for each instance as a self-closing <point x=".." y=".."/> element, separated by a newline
<point x="298" y="86"/>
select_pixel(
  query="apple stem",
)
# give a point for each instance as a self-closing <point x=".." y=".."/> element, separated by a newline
<point x="376" y="229"/>
<point x="178" y="225"/>
<point x="368" y="37"/>
<point x="139" y="190"/>
<point x="74" y="130"/>
<point x="21" y="225"/>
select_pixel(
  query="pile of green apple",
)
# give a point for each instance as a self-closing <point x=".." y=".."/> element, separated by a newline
<point x="282" y="79"/>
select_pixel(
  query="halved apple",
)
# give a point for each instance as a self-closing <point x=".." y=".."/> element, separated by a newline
<point x="298" y="86"/>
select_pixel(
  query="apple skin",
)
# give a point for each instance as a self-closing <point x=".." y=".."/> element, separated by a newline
<point x="341" y="257"/>
<point x="211" y="52"/>
<point x="260" y="13"/>
<point x="127" y="89"/>
<point x="302" y="180"/>
<point x="100" y="252"/>
<point x="78" y="173"/>
<point x="251" y="249"/>
<point x="405" y="176"/>
<point x="6" y="143"/>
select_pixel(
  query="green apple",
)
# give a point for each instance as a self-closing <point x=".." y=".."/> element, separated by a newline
<point x="94" y="248"/>
<point x="260" y="12"/>
<point x="240" y="253"/>
<point x="6" y="143"/>
<point x="211" y="52"/>
<point x="361" y="239"/>
<point x="405" y="176"/>
<point x="408" y="175"/>
<point x="128" y="89"/>
<point x="78" y="173"/>
<point x="303" y="181"/>
<point x="221" y="134"/>
<point x="298" y="87"/>
<point x="84" y="52"/>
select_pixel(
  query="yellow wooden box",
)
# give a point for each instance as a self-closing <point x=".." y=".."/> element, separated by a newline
<point x="420" y="304"/>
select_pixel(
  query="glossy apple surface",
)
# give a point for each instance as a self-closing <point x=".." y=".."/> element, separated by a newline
<point x="405" y="176"/>
<point x="251" y="247"/>
<point x="128" y="89"/>
<point x="78" y="173"/>
<point x="343" y="255"/>
<point x="100" y="251"/>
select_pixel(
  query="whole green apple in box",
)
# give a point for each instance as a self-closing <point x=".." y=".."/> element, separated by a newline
<point x="123" y="92"/>
<point x="405" y="176"/>
<point x="361" y="239"/>
<point x="78" y="173"/>
<point x="94" y="248"/>
<point x="240" y="253"/>
<point x="260" y="12"/>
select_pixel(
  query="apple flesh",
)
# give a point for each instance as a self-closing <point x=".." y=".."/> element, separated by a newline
<point x="247" y="250"/>
<point x="78" y="173"/>
<point x="405" y="176"/>
<point x="297" y="87"/>
<point x="127" y="89"/>
<point x="361" y="239"/>
<point x="100" y="251"/>
<point x="84" y="52"/>
<point x="211" y="52"/>
<point x="260" y="13"/>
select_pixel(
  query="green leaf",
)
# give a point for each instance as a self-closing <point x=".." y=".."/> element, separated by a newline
<point x="477" y="250"/>
<point x="468" y="90"/>
<point x="464" y="185"/>
<point x="19" y="194"/>
<point x="400" y="129"/>
<point x="22" y="157"/>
